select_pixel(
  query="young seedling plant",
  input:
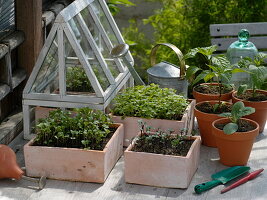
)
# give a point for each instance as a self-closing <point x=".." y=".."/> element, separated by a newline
<point x="238" y="110"/>
<point x="258" y="74"/>
<point x="153" y="140"/>
<point x="219" y="66"/>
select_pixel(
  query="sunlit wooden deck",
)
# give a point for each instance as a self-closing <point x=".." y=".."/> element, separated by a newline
<point x="116" y="189"/>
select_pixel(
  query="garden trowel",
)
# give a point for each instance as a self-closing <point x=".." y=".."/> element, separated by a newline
<point x="222" y="177"/>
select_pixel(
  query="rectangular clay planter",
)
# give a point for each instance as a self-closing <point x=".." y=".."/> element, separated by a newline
<point x="131" y="127"/>
<point x="162" y="170"/>
<point x="74" y="164"/>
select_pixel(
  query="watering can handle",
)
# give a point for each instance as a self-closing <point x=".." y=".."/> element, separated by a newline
<point x="175" y="49"/>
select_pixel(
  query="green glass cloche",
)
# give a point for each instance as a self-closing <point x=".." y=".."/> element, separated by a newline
<point x="241" y="48"/>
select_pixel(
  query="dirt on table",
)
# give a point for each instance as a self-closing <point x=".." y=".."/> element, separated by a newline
<point x="207" y="107"/>
<point x="167" y="145"/>
<point x="212" y="89"/>
<point x="248" y="96"/>
<point x="243" y="126"/>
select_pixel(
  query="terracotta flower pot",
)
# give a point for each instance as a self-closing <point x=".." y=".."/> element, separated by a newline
<point x="260" y="114"/>
<point x="131" y="127"/>
<point x="161" y="170"/>
<point x="208" y="97"/>
<point x="74" y="164"/>
<point x="234" y="149"/>
<point x="204" y="121"/>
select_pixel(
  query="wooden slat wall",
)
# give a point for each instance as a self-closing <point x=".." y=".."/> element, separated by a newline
<point x="233" y="29"/>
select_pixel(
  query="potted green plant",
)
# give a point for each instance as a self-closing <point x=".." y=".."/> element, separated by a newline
<point x="82" y="145"/>
<point x="158" y="107"/>
<point x="161" y="159"/>
<point x="206" y="112"/>
<point x="256" y="96"/>
<point x="235" y="135"/>
<point x="218" y="69"/>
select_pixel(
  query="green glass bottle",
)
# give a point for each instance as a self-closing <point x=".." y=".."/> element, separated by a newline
<point x="241" y="48"/>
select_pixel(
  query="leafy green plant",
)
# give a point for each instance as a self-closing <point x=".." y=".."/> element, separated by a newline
<point x="238" y="110"/>
<point x="82" y="128"/>
<point x="113" y="5"/>
<point x="185" y="23"/>
<point x="258" y="74"/>
<point x="219" y="68"/>
<point x="77" y="80"/>
<point x="150" y="102"/>
<point x="161" y="142"/>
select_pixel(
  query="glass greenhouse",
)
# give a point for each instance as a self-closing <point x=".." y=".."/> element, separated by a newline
<point x="75" y="68"/>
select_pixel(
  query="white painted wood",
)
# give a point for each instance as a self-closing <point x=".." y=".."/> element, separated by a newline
<point x="224" y="43"/>
<point x="57" y="104"/>
<point x="75" y="7"/>
<point x="259" y="28"/>
<point x="61" y="62"/>
<point x="41" y="58"/>
<point x="26" y="121"/>
<point x="223" y="35"/>
<point x="68" y="98"/>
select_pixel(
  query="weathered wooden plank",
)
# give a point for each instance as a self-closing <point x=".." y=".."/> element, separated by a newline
<point x="259" y="28"/>
<point x="224" y="43"/>
<point x="4" y="90"/>
<point x="10" y="128"/>
<point x="13" y="40"/>
<point x="18" y="76"/>
<point x="29" y="20"/>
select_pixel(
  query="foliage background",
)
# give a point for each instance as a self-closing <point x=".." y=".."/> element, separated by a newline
<point x="185" y="23"/>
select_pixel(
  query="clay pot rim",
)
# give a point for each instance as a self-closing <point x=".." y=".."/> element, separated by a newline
<point x="118" y="125"/>
<point x="215" y="95"/>
<point x="211" y="101"/>
<point x="256" y="102"/>
<point x="189" y="153"/>
<point x="236" y="134"/>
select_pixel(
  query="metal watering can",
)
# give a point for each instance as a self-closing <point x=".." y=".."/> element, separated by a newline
<point x="168" y="75"/>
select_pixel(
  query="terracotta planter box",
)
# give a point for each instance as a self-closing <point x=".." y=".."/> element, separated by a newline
<point x="131" y="128"/>
<point x="74" y="164"/>
<point x="161" y="170"/>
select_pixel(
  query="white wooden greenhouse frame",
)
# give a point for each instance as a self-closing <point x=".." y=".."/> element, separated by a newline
<point x="62" y="30"/>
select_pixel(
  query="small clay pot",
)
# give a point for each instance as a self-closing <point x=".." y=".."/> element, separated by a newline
<point x="208" y="97"/>
<point x="260" y="114"/>
<point x="234" y="149"/>
<point x="204" y="121"/>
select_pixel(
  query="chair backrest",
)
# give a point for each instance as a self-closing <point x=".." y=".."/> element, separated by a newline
<point x="223" y="35"/>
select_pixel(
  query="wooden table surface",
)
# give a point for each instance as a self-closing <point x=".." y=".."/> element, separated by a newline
<point x="116" y="189"/>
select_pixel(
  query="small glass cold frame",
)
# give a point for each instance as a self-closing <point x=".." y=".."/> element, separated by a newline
<point x="75" y="68"/>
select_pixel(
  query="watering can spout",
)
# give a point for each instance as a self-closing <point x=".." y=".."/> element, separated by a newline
<point x="8" y="164"/>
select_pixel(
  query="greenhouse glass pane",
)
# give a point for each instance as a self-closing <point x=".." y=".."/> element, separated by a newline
<point x="89" y="53"/>
<point x="104" y="21"/>
<point x="101" y="43"/>
<point x="77" y="81"/>
<point x="47" y="79"/>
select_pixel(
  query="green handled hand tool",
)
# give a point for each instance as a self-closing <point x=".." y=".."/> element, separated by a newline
<point x="222" y="177"/>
